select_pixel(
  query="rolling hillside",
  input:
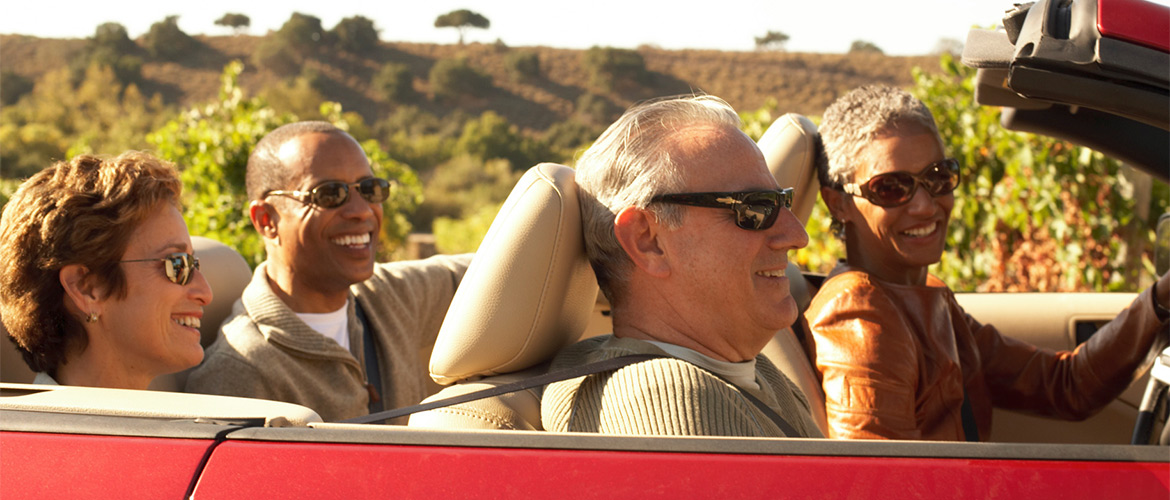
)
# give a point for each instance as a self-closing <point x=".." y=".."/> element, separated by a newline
<point x="799" y="82"/>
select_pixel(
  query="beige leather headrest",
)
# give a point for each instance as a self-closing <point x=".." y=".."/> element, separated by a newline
<point x="790" y="149"/>
<point x="227" y="273"/>
<point x="529" y="290"/>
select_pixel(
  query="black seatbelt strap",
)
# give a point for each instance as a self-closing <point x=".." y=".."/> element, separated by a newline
<point x="373" y="373"/>
<point x="557" y="376"/>
<point x="519" y="385"/>
<point x="970" y="430"/>
<point x="784" y="426"/>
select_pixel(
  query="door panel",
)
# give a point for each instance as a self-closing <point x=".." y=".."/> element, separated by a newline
<point x="1051" y="320"/>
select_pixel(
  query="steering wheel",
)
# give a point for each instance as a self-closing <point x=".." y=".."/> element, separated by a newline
<point x="1156" y="392"/>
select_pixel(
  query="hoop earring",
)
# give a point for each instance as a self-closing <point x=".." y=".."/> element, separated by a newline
<point x="91" y="318"/>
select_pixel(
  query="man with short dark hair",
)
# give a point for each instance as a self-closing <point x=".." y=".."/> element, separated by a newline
<point x="322" y="325"/>
<point x="689" y="235"/>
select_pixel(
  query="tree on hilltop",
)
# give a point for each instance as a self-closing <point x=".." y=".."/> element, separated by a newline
<point x="239" y="23"/>
<point x="773" y="40"/>
<point x="302" y="32"/>
<point x="864" y="47"/>
<point x="462" y="20"/>
<point x="166" y="41"/>
<point x="356" y="34"/>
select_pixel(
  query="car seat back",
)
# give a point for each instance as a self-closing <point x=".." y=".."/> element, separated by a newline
<point x="528" y="292"/>
<point x="791" y="146"/>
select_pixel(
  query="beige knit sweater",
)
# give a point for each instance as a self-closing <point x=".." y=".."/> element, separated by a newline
<point x="666" y="396"/>
<point x="265" y="351"/>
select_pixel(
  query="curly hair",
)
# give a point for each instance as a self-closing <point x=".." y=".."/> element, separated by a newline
<point x="630" y="164"/>
<point x="83" y="211"/>
<point x="855" y="119"/>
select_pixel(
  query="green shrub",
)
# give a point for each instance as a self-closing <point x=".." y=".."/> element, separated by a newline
<point x="1034" y="213"/>
<point x="166" y="41"/>
<point x="596" y="110"/>
<point x="13" y="86"/>
<point x="453" y="78"/>
<point x="396" y="83"/>
<point x="276" y="56"/>
<point x="523" y="66"/>
<point x="611" y="69"/>
<point x="302" y="33"/>
<point x="356" y="34"/>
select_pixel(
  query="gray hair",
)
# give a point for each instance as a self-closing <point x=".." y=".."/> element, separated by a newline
<point x="630" y="164"/>
<point x="265" y="172"/>
<point x="856" y="118"/>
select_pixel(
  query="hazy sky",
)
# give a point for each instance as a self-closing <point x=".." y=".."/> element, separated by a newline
<point x="900" y="27"/>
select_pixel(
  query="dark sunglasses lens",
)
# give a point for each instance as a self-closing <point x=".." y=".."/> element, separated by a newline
<point x="179" y="267"/>
<point x="330" y="194"/>
<point x="758" y="211"/>
<point x="374" y="190"/>
<point x="891" y="189"/>
<point x="943" y="178"/>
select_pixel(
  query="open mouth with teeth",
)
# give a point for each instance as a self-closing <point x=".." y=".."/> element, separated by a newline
<point x="353" y="240"/>
<point x="188" y="321"/>
<point x="921" y="231"/>
<point x="775" y="273"/>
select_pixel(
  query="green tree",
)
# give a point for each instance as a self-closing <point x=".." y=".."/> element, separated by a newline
<point x="302" y="33"/>
<point x="110" y="46"/>
<point x="523" y="66"/>
<point x="58" y="120"/>
<point x="237" y="22"/>
<point x="396" y="83"/>
<point x="613" y="69"/>
<point x="166" y="41"/>
<point x="13" y="86"/>
<point x="356" y="34"/>
<point x="772" y="40"/>
<point x="864" y="47"/>
<point x="462" y="20"/>
<point x="452" y="78"/>
<point x="1033" y="213"/>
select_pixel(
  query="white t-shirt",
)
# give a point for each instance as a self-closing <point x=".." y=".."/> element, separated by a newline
<point x="334" y="325"/>
<point x="742" y="374"/>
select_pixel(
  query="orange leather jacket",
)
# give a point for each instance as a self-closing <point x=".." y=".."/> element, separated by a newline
<point x="894" y="361"/>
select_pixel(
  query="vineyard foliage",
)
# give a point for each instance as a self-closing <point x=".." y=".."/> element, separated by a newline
<point x="1032" y="213"/>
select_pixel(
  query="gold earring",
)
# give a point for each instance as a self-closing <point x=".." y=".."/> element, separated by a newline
<point x="92" y="318"/>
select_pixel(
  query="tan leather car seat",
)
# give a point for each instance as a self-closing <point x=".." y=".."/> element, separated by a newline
<point x="790" y="147"/>
<point x="226" y="272"/>
<point x="530" y="290"/>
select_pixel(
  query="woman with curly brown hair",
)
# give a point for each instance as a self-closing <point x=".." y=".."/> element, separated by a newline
<point x="98" y="286"/>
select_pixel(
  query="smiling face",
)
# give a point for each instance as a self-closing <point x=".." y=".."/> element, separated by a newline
<point x="730" y="281"/>
<point x="897" y="244"/>
<point x="323" y="250"/>
<point x="154" y="329"/>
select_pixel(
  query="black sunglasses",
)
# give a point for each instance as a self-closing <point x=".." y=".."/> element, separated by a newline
<point x="897" y="188"/>
<point x="754" y="210"/>
<point x="333" y="194"/>
<point x="179" y="266"/>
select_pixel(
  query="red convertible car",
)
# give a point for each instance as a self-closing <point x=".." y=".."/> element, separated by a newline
<point x="1091" y="71"/>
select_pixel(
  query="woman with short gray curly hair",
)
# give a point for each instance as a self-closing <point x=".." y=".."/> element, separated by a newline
<point x="898" y="356"/>
<point x="98" y="286"/>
